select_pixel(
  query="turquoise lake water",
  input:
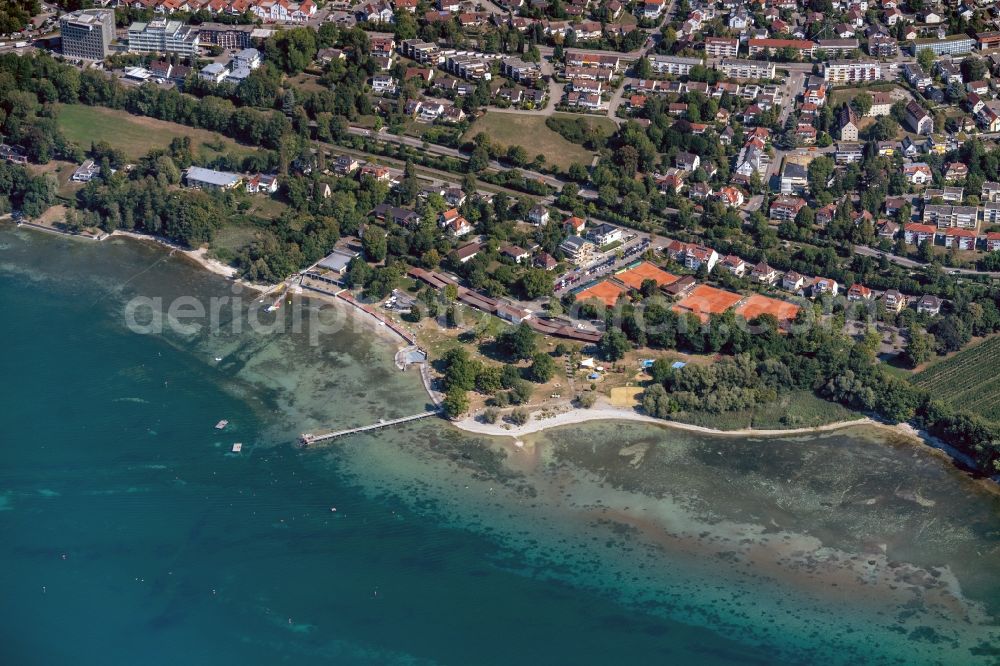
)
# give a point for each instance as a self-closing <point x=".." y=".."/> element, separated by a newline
<point x="132" y="535"/>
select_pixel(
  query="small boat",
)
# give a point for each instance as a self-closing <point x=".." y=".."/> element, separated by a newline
<point x="218" y="359"/>
<point x="237" y="447"/>
<point x="221" y="424"/>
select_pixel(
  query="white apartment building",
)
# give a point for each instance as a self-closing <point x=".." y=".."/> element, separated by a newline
<point x="852" y="71"/>
<point x="163" y="36"/>
<point x="672" y="65"/>
<point x="747" y="69"/>
<point x="722" y="47"/>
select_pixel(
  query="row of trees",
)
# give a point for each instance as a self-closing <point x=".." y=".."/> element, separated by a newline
<point x="764" y="362"/>
<point x="19" y="190"/>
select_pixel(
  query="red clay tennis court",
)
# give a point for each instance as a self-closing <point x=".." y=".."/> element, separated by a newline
<point x="705" y="300"/>
<point x="634" y="277"/>
<point x="604" y="291"/>
<point x="756" y="305"/>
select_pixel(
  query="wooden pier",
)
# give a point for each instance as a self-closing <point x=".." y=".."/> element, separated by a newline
<point x="312" y="438"/>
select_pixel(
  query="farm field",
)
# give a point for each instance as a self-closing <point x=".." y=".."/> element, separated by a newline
<point x="530" y="132"/>
<point x="968" y="380"/>
<point x="135" y="135"/>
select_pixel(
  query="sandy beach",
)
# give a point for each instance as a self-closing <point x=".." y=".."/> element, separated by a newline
<point x="540" y="421"/>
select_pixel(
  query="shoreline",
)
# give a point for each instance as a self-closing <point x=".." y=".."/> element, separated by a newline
<point x="569" y="415"/>
<point x="354" y="309"/>
<point x="576" y="416"/>
<point x="198" y="256"/>
<point x="604" y="412"/>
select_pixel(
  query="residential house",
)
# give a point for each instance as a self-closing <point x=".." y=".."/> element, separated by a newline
<point x="793" y="281"/>
<point x="794" y="178"/>
<point x="86" y="172"/>
<point x="929" y="304"/>
<point x="345" y="164"/>
<point x="881" y="104"/>
<point x="964" y="239"/>
<point x="734" y="265"/>
<point x="859" y="292"/>
<point x="453" y="222"/>
<point x="262" y="184"/>
<point x="687" y="161"/>
<point x="383" y="84"/>
<point x="918" y="119"/>
<point x="990" y="192"/>
<point x="825" y="215"/>
<point x="785" y="207"/>
<point x="993" y="241"/>
<point x="916" y="76"/>
<point x="848" y="153"/>
<point x="916" y="234"/>
<point x="578" y="250"/>
<point x="605" y="234"/>
<point x="764" y="274"/>
<point x="546" y="261"/>
<point x="514" y="253"/>
<point x="730" y="196"/>
<point x="823" y="285"/>
<point x="955" y="171"/>
<point x="888" y="230"/>
<point x="404" y="217"/>
<point x="894" y="301"/>
<point x="917" y="173"/>
<point x="697" y="256"/>
<point x="574" y="225"/>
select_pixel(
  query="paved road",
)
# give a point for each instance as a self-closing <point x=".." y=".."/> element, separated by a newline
<point x="616" y="101"/>
<point x="911" y="263"/>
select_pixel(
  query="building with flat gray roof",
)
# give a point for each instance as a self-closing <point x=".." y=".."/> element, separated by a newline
<point x="87" y="33"/>
<point x="163" y="36"/>
<point x="950" y="45"/>
<point x="210" y="179"/>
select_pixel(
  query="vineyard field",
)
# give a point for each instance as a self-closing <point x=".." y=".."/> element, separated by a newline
<point x="969" y="380"/>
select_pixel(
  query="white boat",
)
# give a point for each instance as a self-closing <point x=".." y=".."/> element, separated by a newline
<point x="221" y="424"/>
<point x="237" y="447"/>
<point x="218" y="359"/>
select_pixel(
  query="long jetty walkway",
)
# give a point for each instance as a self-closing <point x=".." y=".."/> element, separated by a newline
<point x="314" y="438"/>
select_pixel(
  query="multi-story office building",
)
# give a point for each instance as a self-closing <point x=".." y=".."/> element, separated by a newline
<point x="87" y="33"/>
<point x="163" y="36"/>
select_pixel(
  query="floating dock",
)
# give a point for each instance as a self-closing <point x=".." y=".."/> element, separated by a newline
<point x="314" y="438"/>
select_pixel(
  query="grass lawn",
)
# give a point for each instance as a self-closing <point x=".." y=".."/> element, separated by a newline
<point x="307" y="82"/>
<point x="62" y="171"/>
<point x="798" y="409"/>
<point x="530" y="132"/>
<point x="266" y="207"/>
<point x="967" y="380"/>
<point x="839" y="95"/>
<point x="135" y="135"/>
